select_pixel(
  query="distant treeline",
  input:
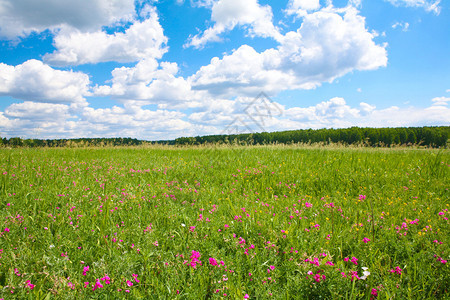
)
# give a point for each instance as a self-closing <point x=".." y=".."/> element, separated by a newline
<point x="374" y="137"/>
<point x="81" y="142"/>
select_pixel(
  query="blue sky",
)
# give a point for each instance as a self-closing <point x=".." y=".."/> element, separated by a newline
<point x="163" y="69"/>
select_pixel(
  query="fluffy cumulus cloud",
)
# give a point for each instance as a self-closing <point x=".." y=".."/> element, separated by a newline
<point x="37" y="120"/>
<point x="141" y="40"/>
<point x="301" y="7"/>
<point x="148" y="81"/>
<point x="336" y="113"/>
<point x="37" y="111"/>
<point x="35" y="81"/>
<point x="19" y="18"/>
<point x="227" y="14"/>
<point x="46" y="120"/>
<point x="428" y="5"/>
<point x="328" y="44"/>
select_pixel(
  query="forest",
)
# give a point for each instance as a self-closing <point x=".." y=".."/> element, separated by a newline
<point x="434" y="137"/>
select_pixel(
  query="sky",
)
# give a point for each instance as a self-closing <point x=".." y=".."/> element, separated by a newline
<point x="158" y="70"/>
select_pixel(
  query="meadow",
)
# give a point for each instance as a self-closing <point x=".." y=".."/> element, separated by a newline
<point x="273" y="222"/>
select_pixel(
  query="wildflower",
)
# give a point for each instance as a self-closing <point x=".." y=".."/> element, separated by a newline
<point x="354" y="260"/>
<point x="397" y="270"/>
<point x="97" y="285"/>
<point x="307" y="204"/>
<point x="365" y="273"/>
<point x="195" y="259"/>
<point x="366" y="240"/>
<point x="30" y="285"/>
<point x="85" y="270"/>
<point x="107" y="280"/>
<point x="374" y="292"/>
<point x="440" y="259"/>
<point x="354" y="275"/>
<point x="135" y="276"/>
<point x="192" y="228"/>
<point x="86" y="284"/>
<point x="129" y="283"/>
<point x="213" y="261"/>
<point x="6" y="229"/>
<point x="246" y="296"/>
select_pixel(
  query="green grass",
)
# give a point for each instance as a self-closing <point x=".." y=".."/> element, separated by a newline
<point x="125" y="211"/>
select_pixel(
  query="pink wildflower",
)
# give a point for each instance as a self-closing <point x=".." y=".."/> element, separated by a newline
<point x="374" y="292"/>
<point x="213" y="261"/>
<point x="85" y="270"/>
<point x="97" y="285"/>
<point x="397" y="270"/>
<point x="366" y="240"/>
<point x="30" y="285"/>
<point x="106" y="279"/>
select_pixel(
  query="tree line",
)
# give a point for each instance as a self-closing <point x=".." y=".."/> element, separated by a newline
<point x="375" y="137"/>
<point x="80" y="142"/>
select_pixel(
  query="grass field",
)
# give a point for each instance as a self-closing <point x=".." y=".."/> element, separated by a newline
<point x="237" y="223"/>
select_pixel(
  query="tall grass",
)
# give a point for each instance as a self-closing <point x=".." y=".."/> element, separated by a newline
<point x="281" y="222"/>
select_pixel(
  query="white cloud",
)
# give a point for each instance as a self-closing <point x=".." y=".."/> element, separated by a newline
<point x="35" y="81"/>
<point x="430" y="6"/>
<point x="326" y="46"/>
<point x="440" y="101"/>
<point x="227" y="14"/>
<point x="324" y="113"/>
<point x="37" y="120"/>
<point x="366" y="108"/>
<point x="403" y="25"/>
<point x="335" y="113"/>
<point x="18" y="18"/>
<point x="148" y="81"/>
<point x="142" y="40"/>
<point x="302" y="7"/>
<point x="202" y="3"/>
<point x="45" y="120"/>
<point x="37" y="111"/>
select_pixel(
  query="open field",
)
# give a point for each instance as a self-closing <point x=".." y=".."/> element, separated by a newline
<point x="248" y="222"/>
